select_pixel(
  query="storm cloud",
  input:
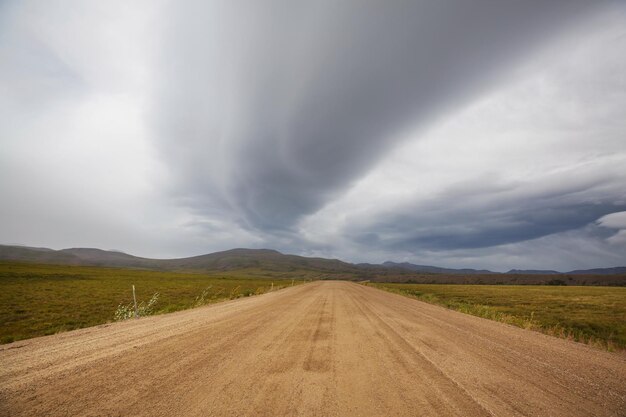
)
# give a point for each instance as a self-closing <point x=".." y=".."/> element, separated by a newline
<point x="286" y="106"/>
<point x="451" y="132"/>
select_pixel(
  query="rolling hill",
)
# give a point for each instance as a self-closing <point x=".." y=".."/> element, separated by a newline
<point x="234" y="259"/>
<point x="267" y="262"/>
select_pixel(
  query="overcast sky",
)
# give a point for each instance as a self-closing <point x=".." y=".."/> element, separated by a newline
<point x="487" y="134"/>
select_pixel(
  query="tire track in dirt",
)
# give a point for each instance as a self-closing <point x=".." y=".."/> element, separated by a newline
<point x="446" y="396"/>
<point x="556" y="378"/>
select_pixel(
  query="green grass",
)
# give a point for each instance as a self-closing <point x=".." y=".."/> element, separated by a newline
<point x="37" y="300"/>
<point x="592" y="315"/>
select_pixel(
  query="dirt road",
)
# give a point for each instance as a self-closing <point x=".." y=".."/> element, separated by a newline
<point x="321" y="349"/>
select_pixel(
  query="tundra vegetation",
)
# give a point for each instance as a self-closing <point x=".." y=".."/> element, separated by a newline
<point x="37" y="300"/>
<point x="592" y="315"/>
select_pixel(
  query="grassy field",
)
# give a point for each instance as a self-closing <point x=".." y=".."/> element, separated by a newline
<point x="593" y="315"/>
<point x="38" y="300"/>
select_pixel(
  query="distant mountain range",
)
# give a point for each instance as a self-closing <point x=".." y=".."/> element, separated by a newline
<point x="533" y="271"/>
<point x="435" y="269"/>
<point x="272" y="261"/>
<point x="438" y="270"/>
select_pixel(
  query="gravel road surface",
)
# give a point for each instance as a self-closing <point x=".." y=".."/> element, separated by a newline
<point x="319" y="349"/>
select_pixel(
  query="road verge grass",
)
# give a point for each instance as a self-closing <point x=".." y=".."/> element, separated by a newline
<point x="38" y="300"/>
<point x="592" y="315"/>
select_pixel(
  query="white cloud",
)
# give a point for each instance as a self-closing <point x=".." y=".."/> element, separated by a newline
<point x="615" y="221"/>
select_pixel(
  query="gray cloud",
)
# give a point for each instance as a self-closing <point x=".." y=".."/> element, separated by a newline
<point x="485" y="214"/>
<point x="272" y="109"/>
<point x="497" y="226"/>
<point x="488" y="214"/>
